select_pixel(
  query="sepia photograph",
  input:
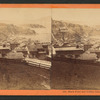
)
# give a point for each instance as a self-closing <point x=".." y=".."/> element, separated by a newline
<point x="75" y="41"/>
<point x="49" y="48"/>
<point x="25" y="48"/>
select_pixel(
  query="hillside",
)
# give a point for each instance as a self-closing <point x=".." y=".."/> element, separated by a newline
<point x="10" y="30"/>
<point x="34" y="26"/>
<point x="75" y="33"/>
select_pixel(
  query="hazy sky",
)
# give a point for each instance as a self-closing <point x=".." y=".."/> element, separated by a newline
<point x="81" y="16"/>
<point x="23" y="15"/>
<point x="29" y="15"/>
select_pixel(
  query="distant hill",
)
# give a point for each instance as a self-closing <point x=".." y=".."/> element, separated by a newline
<point x="74" y="32"/>
<point x="9" y="30"/>
<point x="34" y="26"/>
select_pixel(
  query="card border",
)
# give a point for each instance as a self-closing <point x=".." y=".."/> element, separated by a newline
<point x="51" y="92"/>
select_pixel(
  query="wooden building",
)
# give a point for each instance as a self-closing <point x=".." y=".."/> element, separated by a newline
<point x="14" y="45"/>
<point x="22" y="50"/>
<point x="87" y="46"/>
<point x="32" y="51"/>
<point x="4" y="51"/>
<point x="70" y="51"/>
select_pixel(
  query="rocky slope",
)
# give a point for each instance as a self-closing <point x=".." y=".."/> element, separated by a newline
<point x="10" y="30"/>
<point x="74" y="32"/>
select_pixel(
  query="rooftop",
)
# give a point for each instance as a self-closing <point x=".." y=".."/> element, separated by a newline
<point x="68" y="49"/>
<point x="4" y="48"/>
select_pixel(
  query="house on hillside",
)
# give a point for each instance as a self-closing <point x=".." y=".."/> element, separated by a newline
<point x="87" y="46"/>
<point x="41" y="51"/>
<point x="69" y="51"/>
<point x="32" y="51"/>
<point x="22" y="50"/>
<point x="46" y="47"/>
<point x="14" y="45"/>
<point x="4" y="50"/>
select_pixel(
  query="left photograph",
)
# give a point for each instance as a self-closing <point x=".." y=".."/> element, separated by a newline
<point x="25" y="48"/>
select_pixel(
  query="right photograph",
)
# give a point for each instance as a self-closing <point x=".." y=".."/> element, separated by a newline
<point x="75" y="49"/>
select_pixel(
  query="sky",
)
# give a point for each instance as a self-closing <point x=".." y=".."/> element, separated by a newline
<point x="29" y="15"/>
<point x="23" y="15"/>
<point x="89" y="17"/>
